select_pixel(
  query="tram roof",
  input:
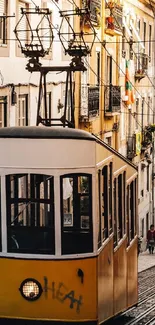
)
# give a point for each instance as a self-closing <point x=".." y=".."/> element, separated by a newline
<point x="42" y="132"/>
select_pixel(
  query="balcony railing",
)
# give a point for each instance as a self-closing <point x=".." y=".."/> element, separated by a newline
<point x="131" y="146"/>
<point x="89" y="102"/>
<point x="112" y="100"/>
<point x="146" y="138"/>
<point x="93" y="101"/>
<point x="141" y="65"/>
<point x="114" y="20"/>
<point x="94" y="8"/>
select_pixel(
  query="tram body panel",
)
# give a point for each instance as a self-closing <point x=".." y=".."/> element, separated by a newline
<point x="132" y="270"/>
<point x="64" y="297"/>
<point x="104" y="155"/>
<point x="44" y="153"/>
<point x="120" y="278"/>
<point x="105" y="282"/>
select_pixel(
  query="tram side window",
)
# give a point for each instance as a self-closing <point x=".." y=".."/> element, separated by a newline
<point x="76" y="214"/>
<point x="105" y="205"/>
<point x="132" y="208"/>
<point x="110" y="185"/>
<point x="115" y="212"/>
<point x="136" y="206"/>
<point x="120" y="207"/>
<point x="128" y="215"/>
<point x="124" y="202"/>
<point x="30" y="213"/>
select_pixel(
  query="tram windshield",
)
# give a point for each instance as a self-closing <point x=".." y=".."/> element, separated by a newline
<point x="30" y="213"/>
<point x="76" y="214"/>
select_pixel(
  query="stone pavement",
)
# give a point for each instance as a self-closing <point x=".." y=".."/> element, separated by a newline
<point x="145" y="261"/>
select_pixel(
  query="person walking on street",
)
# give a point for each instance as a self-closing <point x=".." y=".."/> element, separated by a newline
<point x="151" y="239"/>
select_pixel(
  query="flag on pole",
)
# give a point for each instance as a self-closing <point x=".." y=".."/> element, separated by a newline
<point x="128" y="85"/>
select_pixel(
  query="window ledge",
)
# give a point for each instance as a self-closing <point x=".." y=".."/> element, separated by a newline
<point x="120" y="243"/>
<point x="105" y="242"/>
<point x="46" y="257"/>
<point x="3" y="45"/>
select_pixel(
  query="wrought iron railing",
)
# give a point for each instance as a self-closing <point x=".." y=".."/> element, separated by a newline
<point x="112" y="96"/>
<point x="131" y="146"/>
<point x="141" y="63"/>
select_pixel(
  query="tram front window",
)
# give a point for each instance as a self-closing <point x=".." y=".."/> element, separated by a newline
<point x="76" y="214"/>
<point x="30" y="213"/>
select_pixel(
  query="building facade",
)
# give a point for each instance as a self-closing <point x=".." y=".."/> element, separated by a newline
<point x="19" y="87"/>
<point x="126" y="92"/>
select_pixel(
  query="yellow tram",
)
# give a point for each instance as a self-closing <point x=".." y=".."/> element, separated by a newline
<point x="68" y="245"/>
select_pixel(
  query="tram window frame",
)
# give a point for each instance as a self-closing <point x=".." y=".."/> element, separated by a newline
<point x="115" y="185"/>
<point x="124" y="202"/>
<point x="136" y="206"/>
<point x="75" y="238"/>
<point x="30" y="229"/>
<point x="120" y="207"/>
<point x="132" y="208"/>
<point x="110" y="197"/>
<point x="105" y="204"/>
<point x="128" y="215"/>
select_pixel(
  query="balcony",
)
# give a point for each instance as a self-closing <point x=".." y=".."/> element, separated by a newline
<point x="93" y="101"/>
<point x="114" y="20"/>
<point x="94" y="11"/>
<point x="141" y="65"/>
<point x="147" y="139"/>
<point x="89" y="102"/>
<point x="131" y="146"/>
<point x="112" y="100"/>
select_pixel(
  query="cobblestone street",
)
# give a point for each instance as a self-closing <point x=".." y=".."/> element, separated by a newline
<point x="145" y="261"/>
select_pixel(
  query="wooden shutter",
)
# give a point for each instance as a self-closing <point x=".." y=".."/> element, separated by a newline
<point x="2" y="7"/>
<point x="2" y="21"/>
<point x="23" y="24"/>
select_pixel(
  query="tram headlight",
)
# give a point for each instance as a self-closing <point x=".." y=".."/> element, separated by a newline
<point x="30" y="289"/>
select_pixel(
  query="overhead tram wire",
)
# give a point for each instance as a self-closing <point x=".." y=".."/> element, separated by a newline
<point x="53" y="1"/>
<point x="114" y="62"/>
<point x="125" y="75"/>
<point x="118" y="64"/>
<point x="34" y="3"/>
<point x="96" y="42"/>
<point x="133" y="50"/>
<point x="132" y="114"/>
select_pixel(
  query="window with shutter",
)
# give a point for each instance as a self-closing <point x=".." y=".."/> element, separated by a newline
<point x="3" y="21"/>
<point x="23" y="24"/>
<point x="22" y="110"/>
<point x="3" y="111"/>
<point x="46" y="31"/>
